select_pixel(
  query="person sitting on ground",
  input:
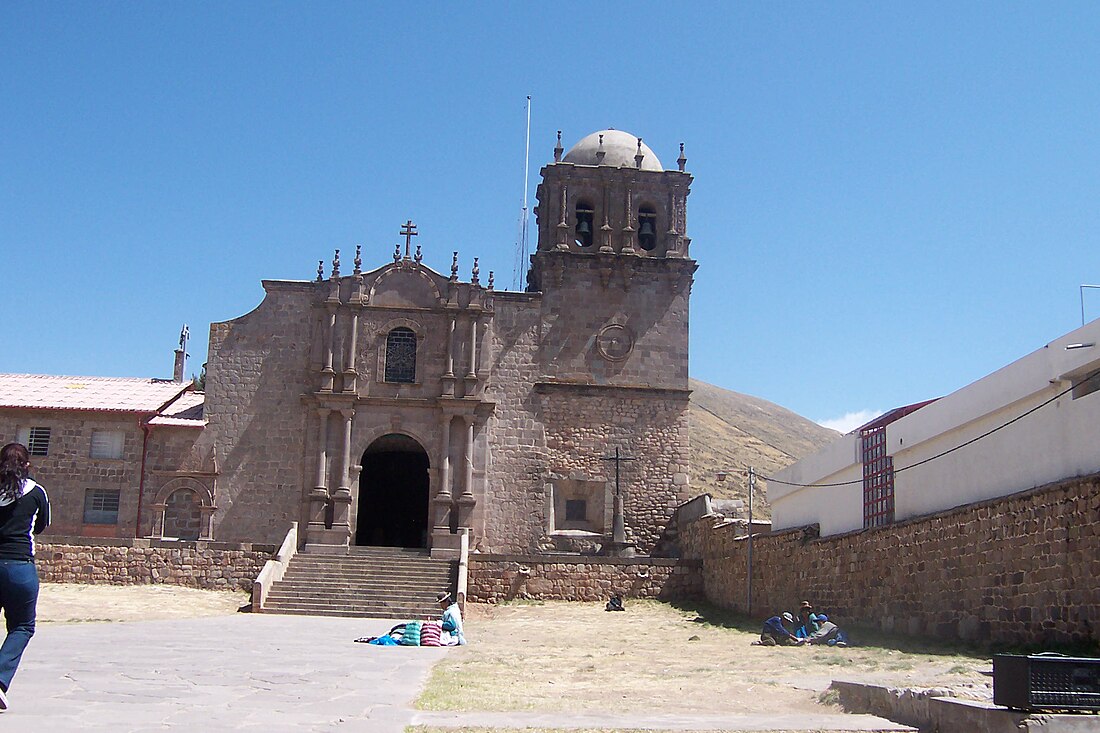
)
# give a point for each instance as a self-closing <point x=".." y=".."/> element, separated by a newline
<point x="807" y="621"/>
<point x="828" y="633"/>
<point x="452" y="621"/>
<point x="776" y="632"/>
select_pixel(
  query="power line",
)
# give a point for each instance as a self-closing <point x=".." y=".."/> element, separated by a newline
<point x="986" y="434"/>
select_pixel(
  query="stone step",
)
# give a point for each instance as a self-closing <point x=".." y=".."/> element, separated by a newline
<point x="381" y="613"/>
<point x="370" y="582"/>
<point x="369" y="565"/>
<point x="417" y="610"/>
<point x="295" y="593"/>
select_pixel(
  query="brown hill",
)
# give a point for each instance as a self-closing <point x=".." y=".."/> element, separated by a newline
<point x="732" y="431"/>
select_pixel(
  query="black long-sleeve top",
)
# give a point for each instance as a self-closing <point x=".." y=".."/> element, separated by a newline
<point x="21" y="519"/>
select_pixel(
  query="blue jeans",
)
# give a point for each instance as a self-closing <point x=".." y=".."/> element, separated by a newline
<point x="19" y="599"/>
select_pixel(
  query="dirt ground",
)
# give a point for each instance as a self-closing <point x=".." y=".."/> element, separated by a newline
<point x="578" y="657"/>
<point x="70" y="603"/>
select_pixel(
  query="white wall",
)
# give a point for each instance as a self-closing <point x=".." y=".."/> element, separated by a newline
<point x="1058" y="441"/>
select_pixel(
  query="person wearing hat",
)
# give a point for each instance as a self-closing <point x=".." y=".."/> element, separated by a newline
<point x="452" y="621"/>
<point x="807" y="621"/>
<point x="828" y="633"/>
<point x="777" y="631"/>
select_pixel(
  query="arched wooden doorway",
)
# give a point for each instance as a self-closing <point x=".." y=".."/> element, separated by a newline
<point x="393" y="494"/>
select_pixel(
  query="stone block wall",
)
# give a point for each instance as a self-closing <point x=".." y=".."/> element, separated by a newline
<point x="1021" y="569"/>
<point x="256" y="422"/>
<point x="585" y="423"/>
<point x="497" y="578"/>
<point x="206" y="565"/>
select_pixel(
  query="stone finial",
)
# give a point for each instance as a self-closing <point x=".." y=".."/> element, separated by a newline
<point x="336" y="265"/>
<point x="682" y="160"/>
<point x="639" y="156"/>
<point x="418" y="257"/>
<point x="475" y="273"/>
<point x="358" y="259"/>
<point x="454" y="267"/>
<point x="490" y="284"/>
<point x="600" y="152"/>
<point x="320" y="270"/>
<point x="558" y="149"/>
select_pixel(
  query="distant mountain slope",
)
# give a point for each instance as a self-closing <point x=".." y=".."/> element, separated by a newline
<point x="730" y="430"/>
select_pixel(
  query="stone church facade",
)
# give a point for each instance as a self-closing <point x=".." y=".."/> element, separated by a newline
<point x="401" y="406"/>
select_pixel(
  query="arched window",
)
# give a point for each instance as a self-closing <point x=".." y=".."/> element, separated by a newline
<point x="183" y="515"/>
<point x="583" y="229"/>
<point x="647" y="228"/>
<point x="401" y="355"/>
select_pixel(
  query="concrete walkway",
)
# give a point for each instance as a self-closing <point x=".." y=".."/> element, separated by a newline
<point x="274" y="674"/>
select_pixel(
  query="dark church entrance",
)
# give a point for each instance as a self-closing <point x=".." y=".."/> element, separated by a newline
<point x="393" y="494"/>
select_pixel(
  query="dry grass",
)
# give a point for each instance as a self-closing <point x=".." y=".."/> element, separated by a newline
<point x="577" y="657"/>
<point x="69" y="602"/>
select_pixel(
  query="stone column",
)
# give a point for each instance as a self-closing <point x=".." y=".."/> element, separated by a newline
<point x="442" y="500"/>
<point x="472" y="374"/>
<point x="206" y="526"/>
<point x="449" y="373"/>
<point x="327" y="372"/>
<point x="318" y="497"/>
<point x="450" y="350"/>
<point x="157" y="530"/>
<point x="466" y="500"/>
<point x="342" y="496"/>
<point x="350" y="374"/>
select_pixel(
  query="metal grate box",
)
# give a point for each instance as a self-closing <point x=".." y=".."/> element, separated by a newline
<point x="1048" y="682"/>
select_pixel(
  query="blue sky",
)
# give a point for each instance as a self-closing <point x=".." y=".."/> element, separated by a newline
<point x="891" y="200"/>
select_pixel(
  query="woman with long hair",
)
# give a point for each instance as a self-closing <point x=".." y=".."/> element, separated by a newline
<point x="24" y="512"/>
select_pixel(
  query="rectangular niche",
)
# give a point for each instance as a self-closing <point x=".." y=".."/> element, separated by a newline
<point x="580" y="506"/>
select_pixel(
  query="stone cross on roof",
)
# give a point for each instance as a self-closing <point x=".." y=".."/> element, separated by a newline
<point x="408" y="231"/>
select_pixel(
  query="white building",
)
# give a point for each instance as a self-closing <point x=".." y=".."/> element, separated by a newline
<point x="1044" y="414"/>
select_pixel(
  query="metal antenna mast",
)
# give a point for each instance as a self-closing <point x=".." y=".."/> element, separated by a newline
<point x="519" y="269"/>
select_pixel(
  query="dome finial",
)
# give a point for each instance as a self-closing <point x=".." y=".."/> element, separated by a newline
<point x="558" y="149"/>
<point x="682" y="160"/>
<point x="600" y="153"/>
<point x="639" y="156"/>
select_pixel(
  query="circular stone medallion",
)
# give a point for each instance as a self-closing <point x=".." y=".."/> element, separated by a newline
<point x="614" y="342"/>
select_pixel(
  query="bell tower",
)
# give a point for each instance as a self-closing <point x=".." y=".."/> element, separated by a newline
<point x="613" y="264"/>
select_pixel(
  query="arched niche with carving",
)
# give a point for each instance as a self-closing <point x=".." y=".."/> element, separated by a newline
<point x="183" y="509"/>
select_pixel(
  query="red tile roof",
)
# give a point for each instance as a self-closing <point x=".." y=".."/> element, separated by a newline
<point x="184" y="412"/>
<point x="108" y="394"/>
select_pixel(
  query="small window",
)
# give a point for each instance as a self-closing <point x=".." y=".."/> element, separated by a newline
<point x="583" y="228"/>
<point x="36" y="439"/>
<point x="107" y="444"/>
<point x="401" y="356"/>
<point x="576" y="510"/>
<point x="101" y="506"/>
<point x="878" y="479"/>
<point x="647" y="228"/>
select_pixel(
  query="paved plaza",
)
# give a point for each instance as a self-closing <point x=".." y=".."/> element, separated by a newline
<point x="273" y="674"/>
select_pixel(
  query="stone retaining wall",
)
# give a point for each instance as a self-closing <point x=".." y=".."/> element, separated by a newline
<point x="496" y="578"/>
<point x="1021" y="569"/>
<point x="207" y="565"/>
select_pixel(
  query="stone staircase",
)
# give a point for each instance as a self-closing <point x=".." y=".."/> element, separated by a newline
<point x="370" y="582"/>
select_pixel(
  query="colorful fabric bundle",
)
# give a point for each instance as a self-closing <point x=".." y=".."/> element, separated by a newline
<point x="430" y="632"/>
<point x="412" y="634"/>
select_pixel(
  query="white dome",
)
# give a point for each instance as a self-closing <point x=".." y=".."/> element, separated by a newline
<point x="619" y="149"/>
